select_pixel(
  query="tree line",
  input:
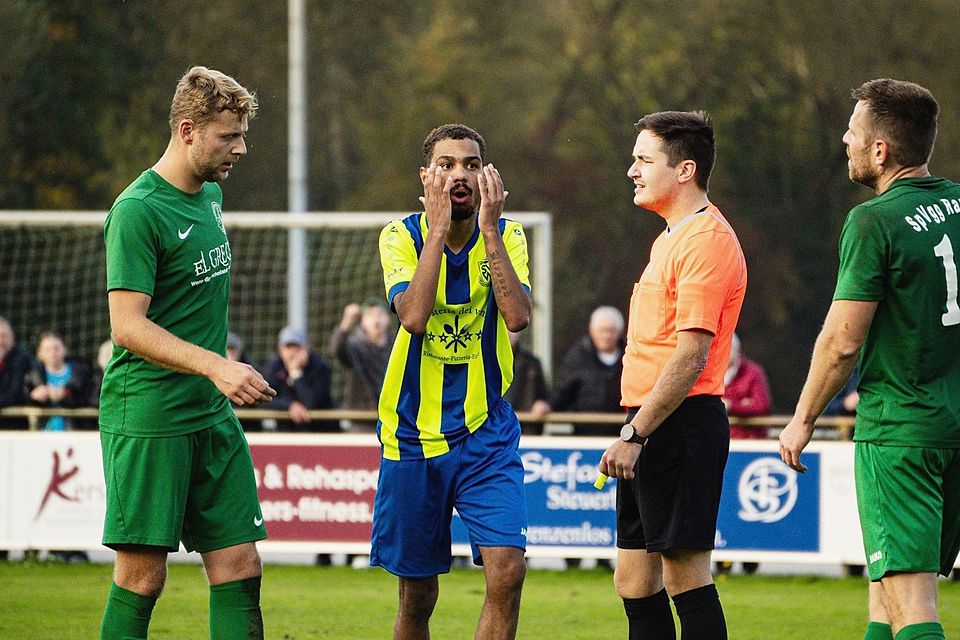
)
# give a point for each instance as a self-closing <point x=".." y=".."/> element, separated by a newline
<point x="554" y="86"/>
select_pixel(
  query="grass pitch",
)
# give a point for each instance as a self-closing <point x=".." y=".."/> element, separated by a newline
<point x="53" y="601"/>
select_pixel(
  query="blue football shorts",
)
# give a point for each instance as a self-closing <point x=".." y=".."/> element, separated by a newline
<point x="481" y="477"/>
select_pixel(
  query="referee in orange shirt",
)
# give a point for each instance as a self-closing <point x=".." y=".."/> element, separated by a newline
<point x="672" y="451"/>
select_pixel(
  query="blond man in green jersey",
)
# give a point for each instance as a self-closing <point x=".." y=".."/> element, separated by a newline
<point x="895" y="306"/>
<point x="176" y="464"/>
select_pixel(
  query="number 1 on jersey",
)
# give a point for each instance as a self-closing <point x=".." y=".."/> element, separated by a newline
<point x="944" y="250"/>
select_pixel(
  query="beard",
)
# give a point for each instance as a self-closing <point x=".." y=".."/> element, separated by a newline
<point x="461" y="211"/>
<point x="861" y="172"/>
<point x="206" y="166"/>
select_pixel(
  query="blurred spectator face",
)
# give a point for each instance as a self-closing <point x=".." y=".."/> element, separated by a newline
<point x="104" y="353"/>
<point x="736" y="353"/>
<point x="51" y="353"/>
<point x="6" y="338"/>
<point x="294" y="355"/>
<point x="374" y="321"/>
<point x="234" y="347"/>
<point x="606" y="330"/>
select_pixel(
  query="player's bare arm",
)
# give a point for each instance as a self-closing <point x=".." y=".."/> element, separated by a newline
<point x="416" y="303"/>
<point x="835" y="355"/>
<point x="680" y="373"/>
<point x="133" y="331"/>
<point x="512" y="299"/>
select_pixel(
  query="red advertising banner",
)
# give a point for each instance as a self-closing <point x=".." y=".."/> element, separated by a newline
<point x="314" y="492"/>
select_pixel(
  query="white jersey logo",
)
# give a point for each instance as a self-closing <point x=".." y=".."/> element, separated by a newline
<point x="257" y="521"/>
<point x="767" y="490"/>
<point x="183" y="234"/>
<point x="218" y="214"/>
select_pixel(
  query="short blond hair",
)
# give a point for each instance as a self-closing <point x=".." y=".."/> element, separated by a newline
<point x="202" y="93"/>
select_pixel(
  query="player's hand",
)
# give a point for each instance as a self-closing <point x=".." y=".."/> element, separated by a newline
<point x="492" y="197"/>
<point x="793" y="439"/>
<point x="620" y="459"/>
<point x="241" y="383"/>
<point x="351" y="316"/>
<point x="436" y="199"/>
<point x="299" y="413"/>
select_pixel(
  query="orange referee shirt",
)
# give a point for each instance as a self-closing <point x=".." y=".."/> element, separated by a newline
<point x="696" y="279"/>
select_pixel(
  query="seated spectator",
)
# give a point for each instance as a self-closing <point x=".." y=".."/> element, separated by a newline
<point x="362" y="342"/>
<point x="302" y="381"/>
<point x="15" y="362"/>
<point x="55" y="381"/>
<point x="746" y="393"/>
<point x="236" y="353"/>
<point x="104" y="353"/>
<point x="589" y="376"/>
<point x="235" y="350"/>
<point x="528" y="392"/>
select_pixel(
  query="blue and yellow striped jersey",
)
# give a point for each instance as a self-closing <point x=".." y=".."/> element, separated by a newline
<point x="439" y="386"/>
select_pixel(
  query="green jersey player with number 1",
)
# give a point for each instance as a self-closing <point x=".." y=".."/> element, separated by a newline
<point x="176" y="464"/>
<point x="895" y="305"/>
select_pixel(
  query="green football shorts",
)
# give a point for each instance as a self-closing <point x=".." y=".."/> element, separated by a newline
<point x="198" y="488"/>
<point x="909" y="503"/>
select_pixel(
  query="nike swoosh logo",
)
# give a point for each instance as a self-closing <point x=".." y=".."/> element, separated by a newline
<point x="183" y="236"/>
<point x="257" y="521"/>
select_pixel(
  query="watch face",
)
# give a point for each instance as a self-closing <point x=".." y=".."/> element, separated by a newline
<point x="627" y="432"/>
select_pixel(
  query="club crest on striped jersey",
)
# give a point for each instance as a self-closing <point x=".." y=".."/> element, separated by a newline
<point x="484" y="268"/>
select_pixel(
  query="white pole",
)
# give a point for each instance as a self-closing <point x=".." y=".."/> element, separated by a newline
<point x="297" y="163"/>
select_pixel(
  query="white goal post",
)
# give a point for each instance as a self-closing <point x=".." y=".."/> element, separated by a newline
<point x="55" y="274"/>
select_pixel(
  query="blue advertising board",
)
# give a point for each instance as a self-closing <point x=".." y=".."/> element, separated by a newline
<point x="764" y="505"/>
<point x="564" y="507"/>
<point x="767" y="506"/>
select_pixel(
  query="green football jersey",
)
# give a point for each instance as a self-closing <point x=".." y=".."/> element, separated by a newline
<point x="171" y="246"/>
<point x="900" y="249"/>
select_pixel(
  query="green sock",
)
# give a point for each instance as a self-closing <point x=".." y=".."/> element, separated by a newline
<point x="922" y="631"/>
<point x="878" y="631"/>
<point x="127" y="615"/>
<point x="235" y="610"/>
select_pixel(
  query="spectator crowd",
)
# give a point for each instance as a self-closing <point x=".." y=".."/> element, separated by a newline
<point x="587" y="380"/>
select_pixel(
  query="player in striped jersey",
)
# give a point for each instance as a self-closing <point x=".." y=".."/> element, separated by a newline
<point x="456" y="275"/>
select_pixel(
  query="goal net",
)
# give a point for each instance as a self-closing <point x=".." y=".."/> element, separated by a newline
<point x="55" y="275"/>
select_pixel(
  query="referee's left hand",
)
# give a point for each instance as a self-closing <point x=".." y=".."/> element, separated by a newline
<point x="620" y="459"/>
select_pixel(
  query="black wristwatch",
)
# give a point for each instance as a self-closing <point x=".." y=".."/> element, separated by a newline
<point x="629" y="434"/>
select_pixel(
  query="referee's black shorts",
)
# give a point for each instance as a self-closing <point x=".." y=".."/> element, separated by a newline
<point x="673" y="499"/>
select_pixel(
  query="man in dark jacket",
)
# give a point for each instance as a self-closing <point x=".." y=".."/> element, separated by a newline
<point x="302" y="380"/>
<point x="15" y="362"/>
<point x="589" y="377"/>
<point x="362" y="342"/>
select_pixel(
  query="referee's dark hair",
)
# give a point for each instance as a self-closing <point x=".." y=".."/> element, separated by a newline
<point x="686" y="135"/>
<point x="902" y="114"/>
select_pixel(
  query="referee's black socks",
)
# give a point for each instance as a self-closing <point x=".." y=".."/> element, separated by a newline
<point x="650" y="618"/>
<point x="700" y="613"/>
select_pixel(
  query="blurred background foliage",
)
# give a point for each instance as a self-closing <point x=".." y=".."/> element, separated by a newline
<point x="554" y="86"/>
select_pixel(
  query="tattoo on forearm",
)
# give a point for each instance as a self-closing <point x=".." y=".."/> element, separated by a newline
<point x="499" y="277"/>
